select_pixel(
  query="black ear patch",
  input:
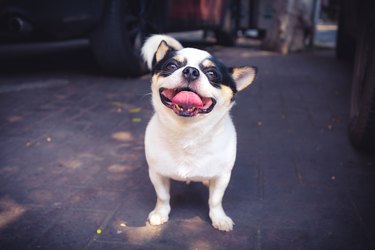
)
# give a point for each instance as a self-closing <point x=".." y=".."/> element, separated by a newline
<point x="162" y="52"/>
<point x="225" y="75"/>
<point x="162" y="67"/>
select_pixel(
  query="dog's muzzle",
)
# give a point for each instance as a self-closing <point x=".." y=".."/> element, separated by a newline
<point x="185" y="102"/>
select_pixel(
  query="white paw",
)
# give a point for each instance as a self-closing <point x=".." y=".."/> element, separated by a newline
<point x="156" y="218"/>
<point x="223" y="223"/>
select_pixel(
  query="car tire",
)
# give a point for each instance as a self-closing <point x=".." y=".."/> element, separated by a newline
<point x="362" y="106"/>
<point x="117" y="41"/>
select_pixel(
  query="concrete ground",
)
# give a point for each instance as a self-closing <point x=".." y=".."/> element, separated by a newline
<point x="73" y="173"/>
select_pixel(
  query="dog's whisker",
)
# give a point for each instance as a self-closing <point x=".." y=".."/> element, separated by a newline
<point x="145" y="95"/>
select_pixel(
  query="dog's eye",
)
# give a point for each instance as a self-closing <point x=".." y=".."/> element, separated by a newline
<point x="212" y="75"/>
<point x="171" y="66"/>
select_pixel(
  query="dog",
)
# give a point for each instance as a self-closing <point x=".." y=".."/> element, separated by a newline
<point x="191" y="136"/>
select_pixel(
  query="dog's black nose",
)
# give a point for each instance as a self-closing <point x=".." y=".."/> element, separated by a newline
<point x="190" y="73"/>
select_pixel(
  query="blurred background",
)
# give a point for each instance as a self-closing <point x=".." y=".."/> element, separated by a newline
<point x="122" y="26"/>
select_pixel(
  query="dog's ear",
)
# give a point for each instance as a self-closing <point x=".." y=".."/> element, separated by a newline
<point x="156" y="47"/>
<point x="243" y="76"/>
<point x="161" y="51"/>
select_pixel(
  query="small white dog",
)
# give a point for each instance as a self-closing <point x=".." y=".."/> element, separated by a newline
<point x="191" y="136"/>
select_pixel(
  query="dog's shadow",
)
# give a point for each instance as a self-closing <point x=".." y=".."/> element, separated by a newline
<point x="189" y="200"/>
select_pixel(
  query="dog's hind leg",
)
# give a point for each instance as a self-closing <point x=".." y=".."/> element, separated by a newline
<point x="161" y="211"/>
<point x="216" y="190"/>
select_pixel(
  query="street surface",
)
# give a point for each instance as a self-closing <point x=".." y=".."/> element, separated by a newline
<point x="73" y="173"/>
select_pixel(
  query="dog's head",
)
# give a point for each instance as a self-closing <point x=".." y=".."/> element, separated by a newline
<point x="191" y="82"/>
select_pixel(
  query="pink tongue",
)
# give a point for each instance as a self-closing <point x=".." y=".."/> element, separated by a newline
<point x="187" y="99"/>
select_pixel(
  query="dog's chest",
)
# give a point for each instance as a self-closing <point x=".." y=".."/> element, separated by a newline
<point x="194" y="159"/>
<point x="191" y="156"/>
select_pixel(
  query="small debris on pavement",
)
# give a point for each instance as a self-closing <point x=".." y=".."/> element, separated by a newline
<point x="120" y="226"/>
<point x="118" y="104"/>
<point x="136" y="119"/>
<point x="134" y="110"/>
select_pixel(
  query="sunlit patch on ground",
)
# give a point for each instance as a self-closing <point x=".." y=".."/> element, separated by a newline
<point x="119" y="168"/>
<point x="122" y="136"/>
<point x="141" y="235"/>
<point x="72" y="164"/>
<point x="10" y="211"/>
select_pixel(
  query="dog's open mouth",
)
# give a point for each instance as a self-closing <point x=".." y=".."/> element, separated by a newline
<point x="185" y="102"/>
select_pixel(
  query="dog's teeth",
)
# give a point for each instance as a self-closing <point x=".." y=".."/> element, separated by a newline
<point x="178" y="107"/>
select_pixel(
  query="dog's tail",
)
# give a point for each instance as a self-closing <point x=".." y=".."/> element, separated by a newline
<point x="152" y="44"/>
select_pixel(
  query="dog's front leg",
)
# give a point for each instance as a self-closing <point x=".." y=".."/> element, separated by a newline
<point x="161" y="211"/>
<point x="217" y="188"/>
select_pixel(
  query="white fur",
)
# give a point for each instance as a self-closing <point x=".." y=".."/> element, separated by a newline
<point x="202" y="86"/>
<point x="200" y="148"/>
<point x="203" y="150"/>
<point x="152" y="44"/>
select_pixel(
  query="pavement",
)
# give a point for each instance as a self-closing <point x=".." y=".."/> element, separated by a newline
<point x="73" y="173"/>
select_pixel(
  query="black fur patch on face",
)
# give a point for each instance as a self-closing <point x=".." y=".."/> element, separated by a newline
<point x="168" y="64"/>
<point x="218" y="74"/>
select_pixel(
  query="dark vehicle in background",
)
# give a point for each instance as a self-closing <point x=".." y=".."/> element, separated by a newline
<point x="116" y="28"/>
<point x="356" y="40"/>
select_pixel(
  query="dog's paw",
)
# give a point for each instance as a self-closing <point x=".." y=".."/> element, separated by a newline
<point x="223" y="223"/>
<point x="155" y="218"/>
